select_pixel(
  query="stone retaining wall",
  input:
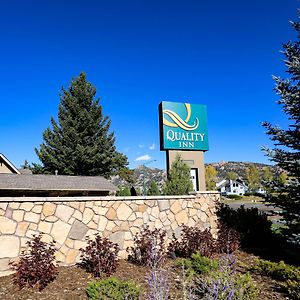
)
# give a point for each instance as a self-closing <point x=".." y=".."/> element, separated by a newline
<point x="68" y="220"/>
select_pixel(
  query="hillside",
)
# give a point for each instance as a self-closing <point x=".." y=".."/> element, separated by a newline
<point x="159" y="175"/>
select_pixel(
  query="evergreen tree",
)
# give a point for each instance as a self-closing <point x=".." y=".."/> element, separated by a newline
<point x="179" y="179"/>
<point x="153" y="189"/>
<point x="80" y="143"/>
<point x="210" y="177"/>
<point x="286" y="152"/>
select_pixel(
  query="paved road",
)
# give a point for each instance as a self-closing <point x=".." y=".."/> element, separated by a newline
<point x="261" y="206"/>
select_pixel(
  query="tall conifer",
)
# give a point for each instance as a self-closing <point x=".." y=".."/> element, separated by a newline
<point x="80" y="142"/>
<point x="286" y="153"/>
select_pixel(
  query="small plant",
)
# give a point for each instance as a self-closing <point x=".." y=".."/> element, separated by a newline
<point x="113" y="289"/>
<point x="198" y="264"/>
<point x="226" y="283"/>
<point x="292" y="288"/>
<point x="192" y="239"/>
<point x="158" y="285"/>
<point x="123" y="191"/>
<point x="228" y="239"/>
<point x="290" y="275"/>
<point x="149" y="247"/>
<point x="279" y="271"/>
<point x="100" y="256"/>
<point x="36" y="266"/>
<point x="235" y="197"/>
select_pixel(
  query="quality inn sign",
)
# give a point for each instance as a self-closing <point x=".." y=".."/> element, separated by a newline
<point x="183" y="126"/>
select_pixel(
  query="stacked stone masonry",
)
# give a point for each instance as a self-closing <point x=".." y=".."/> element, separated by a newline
<point x="69" y="220"/>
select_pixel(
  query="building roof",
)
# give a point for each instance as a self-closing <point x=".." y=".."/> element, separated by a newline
<point x="9" y="164"/>
<point x="54" y="183"/>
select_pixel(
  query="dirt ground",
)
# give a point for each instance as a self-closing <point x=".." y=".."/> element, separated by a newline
<point x="71" y="282"/>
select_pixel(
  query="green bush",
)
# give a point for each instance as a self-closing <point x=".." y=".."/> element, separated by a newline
<point x="226" y="283"/>
<point x="123" y="191"/>
<point x="292" y="288"/>
<point x="279" y="271"/>
<point x="236" y="197"/>
<point x="198" y="264"/>
<point x="253" y="226"/>
<point x="290" y="275"/>
<point x="113" y="289"/>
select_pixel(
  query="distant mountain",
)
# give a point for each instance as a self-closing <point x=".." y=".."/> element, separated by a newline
<point x="159" y="175"/>
<point x="224" y="167"/>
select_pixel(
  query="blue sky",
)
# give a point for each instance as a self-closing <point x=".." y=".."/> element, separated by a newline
<point x="138" y="53"/>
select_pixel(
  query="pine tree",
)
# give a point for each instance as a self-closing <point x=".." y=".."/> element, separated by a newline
<point x="179" y="178"/>
<point x="153" y="189"/>
<point x="80" y="143"/>
<point x="286" y="153"/>
<point x="210" y="177"/>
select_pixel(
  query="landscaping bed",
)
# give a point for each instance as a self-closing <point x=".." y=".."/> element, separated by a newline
<point x="71" y="282"/>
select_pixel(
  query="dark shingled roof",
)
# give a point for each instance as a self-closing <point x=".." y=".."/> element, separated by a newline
<point x="54" y="183"/>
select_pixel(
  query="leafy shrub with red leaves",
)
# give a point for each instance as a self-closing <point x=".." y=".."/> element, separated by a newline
<point x="192" y="239"/>
<point x="229" y="239"/>
<point x="36" y="266"/>
<point x="149" y="247"/>
<point x="100" y="256"/>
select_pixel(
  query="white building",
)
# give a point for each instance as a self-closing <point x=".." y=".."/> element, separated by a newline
<point x="232" y="187"/>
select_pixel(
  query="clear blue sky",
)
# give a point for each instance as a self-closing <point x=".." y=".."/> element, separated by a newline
<point x="138" y="53"/>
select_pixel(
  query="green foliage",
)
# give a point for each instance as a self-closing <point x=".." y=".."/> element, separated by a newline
<point x="80" y="142"/>
<point x="290" y="275"/>
<point x="210" y="177"/>
<point x="127" y="175"/>
<point x="226" y="283"/>
<point x="231" y="175"/>
<point x="123" y="191"/>
<point x="253" y="178"/>
<point x="286" y="153"/>
<point x="279" y="271"/>
<point x="113" y="289"/>
<point x="254" y="227"/>
<point x="292" y="288"/>
<point x="153" y="189"/>
<point x="198" y="264"/>
<point x="236" y="197"/>
<point x="179" y="179"/>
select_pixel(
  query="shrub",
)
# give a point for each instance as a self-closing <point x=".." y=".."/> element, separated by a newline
<point x="113" y="289"/>
<point x="158" y="285"/>
<point x="253" y="226"/>
<point x="198" y="264"/>
<point x="228" y="239"/>
<point x="290" y="275"/>
<point x="149" y="247"/>
<point x="279" y="271"/>
<point x="36" y="266"/>
<point x="123" y="191"/>
<point x="226" y="283"/>
<point x="292" y="288"/>
<point x="235" y="197"/>
<point x="100" y="256"/>
<point x="192" y="239"/>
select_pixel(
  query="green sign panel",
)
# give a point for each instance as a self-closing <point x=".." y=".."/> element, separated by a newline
<point x="183" y="126"/>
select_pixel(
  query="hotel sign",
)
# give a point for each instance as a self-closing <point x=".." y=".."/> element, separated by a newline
<point x="183" y="126"/>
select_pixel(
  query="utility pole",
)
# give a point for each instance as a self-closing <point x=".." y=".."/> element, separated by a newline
<point x="144" y="174"/>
